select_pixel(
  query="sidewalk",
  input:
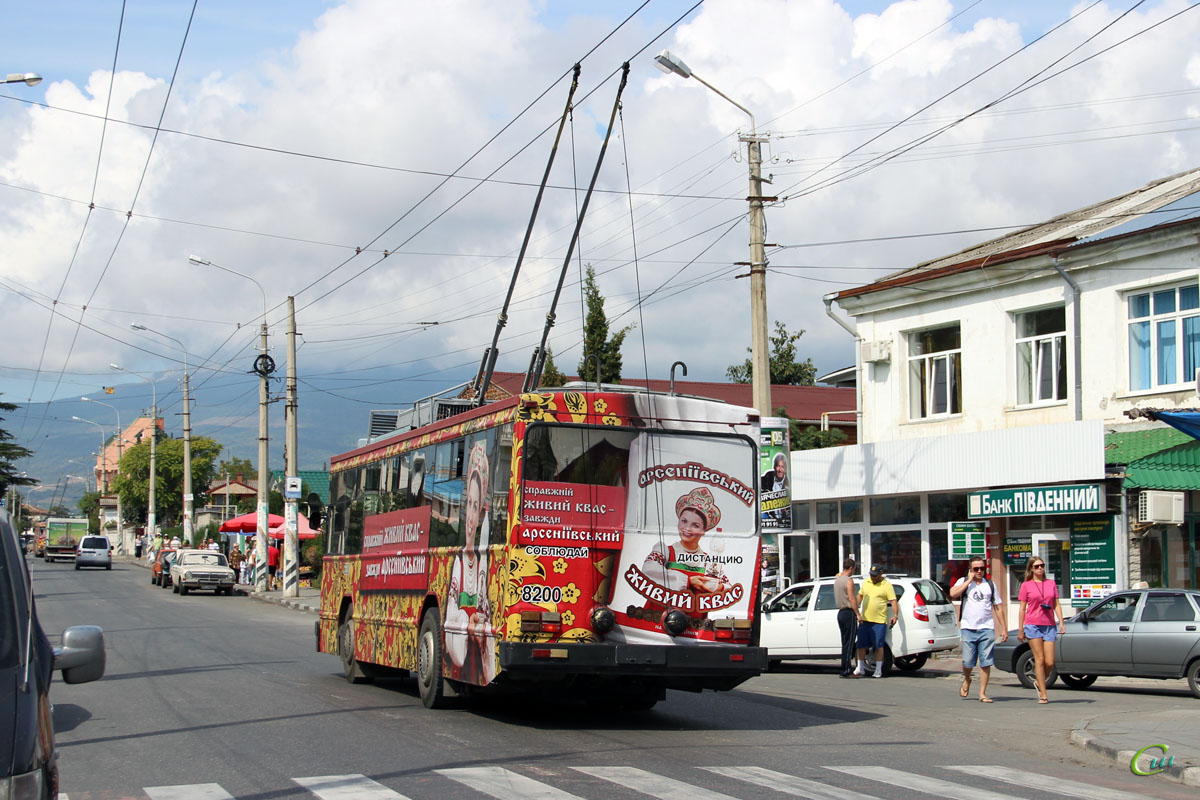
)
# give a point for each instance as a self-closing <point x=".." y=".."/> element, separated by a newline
<point x="1115" y="736"/>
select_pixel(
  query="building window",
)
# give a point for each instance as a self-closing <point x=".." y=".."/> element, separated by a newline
<point x="935" y="372"/>
<point x="898" y="552"/>
<point x="896" y="510"/>
<point x="1042" y="356"/>
<point x="1164" y="336"/>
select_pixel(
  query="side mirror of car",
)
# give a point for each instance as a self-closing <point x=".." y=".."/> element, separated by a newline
<point x="81" y="656"/>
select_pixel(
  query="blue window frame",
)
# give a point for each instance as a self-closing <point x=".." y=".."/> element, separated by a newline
<point x="1164" y="336"/>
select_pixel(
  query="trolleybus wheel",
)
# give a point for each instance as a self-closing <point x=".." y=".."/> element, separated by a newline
<point x="429" y="661"/>
<point x="351" y="667"/>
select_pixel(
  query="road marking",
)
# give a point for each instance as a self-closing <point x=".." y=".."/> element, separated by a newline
<point x="192" y="791"/>
<point x="786" y="784"/>
<point x="1033" y="780"/>
<point x="652" y="784"/>
<point x="921" y="783"/>
<point x="504" y="784"/>
<point x="348" y="787"/>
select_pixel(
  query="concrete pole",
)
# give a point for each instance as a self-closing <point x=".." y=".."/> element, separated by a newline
<point x="291" y="541"/>
<point x="188" y="505"/>
<point x="260" y="571"/>
<point x="760" y="347"/>
<point x="151" y="513"/>
<point x="127" y="545"/>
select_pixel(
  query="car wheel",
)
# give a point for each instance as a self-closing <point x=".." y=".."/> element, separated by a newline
<point x="183" y="590"/>
<point x="1193" y="676"/>
<point x="174" y="588"/>
<point x="429" y="662"/>
<point x="76" y="566"/>
<point x="108" y="566"/>
<point x="1026" y="669"/>
<point x="1078" y="681"/>
<point x="351" y="667"/>
<point x="773" y="664"/>
<point x="911" y="663"/>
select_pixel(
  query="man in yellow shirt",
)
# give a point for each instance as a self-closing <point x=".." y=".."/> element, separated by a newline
<point x="875" y="596"/>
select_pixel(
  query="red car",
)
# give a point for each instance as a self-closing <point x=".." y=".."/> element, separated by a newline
<point x="160" y="570"/>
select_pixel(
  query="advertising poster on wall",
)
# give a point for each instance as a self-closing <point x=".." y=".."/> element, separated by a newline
<point x="393" y="550"/>
<point x="775" y="478"/>
<point x="1093" y="561"/>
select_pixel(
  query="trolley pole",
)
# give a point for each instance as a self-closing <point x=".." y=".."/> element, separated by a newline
<point x="291" y="541"/>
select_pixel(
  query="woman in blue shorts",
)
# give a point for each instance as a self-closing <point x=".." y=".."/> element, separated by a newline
<point x="1039" y="610"/>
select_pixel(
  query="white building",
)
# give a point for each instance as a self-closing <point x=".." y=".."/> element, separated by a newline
<point x="1007" y="368"/>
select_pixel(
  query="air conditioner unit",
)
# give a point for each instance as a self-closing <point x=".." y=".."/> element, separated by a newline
<point x="873" y="352"/>
<point x="1161" y="508"/>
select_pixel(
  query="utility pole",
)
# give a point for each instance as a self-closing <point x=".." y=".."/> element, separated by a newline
<point x="291" y="541"/>
<point x="263" y="367"/>
<point x="188" y="505"/>
<point x="760" y="360"/>
<point x="151" y="512"/>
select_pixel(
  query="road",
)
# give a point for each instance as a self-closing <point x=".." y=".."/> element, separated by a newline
<point x="219" y="697"/>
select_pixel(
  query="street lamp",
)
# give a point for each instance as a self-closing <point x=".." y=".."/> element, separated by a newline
<point x="27" y="78"/>
<point x="760" y="372"/>
<point x="188" y="503"/>
<point x="151" y="514"/>
<point x="103" y="452"/>
<point x="125" y="546"/>
<point x="263" y="365"/>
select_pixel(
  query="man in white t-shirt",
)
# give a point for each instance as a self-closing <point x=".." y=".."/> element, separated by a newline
<point x="980" y="612"/>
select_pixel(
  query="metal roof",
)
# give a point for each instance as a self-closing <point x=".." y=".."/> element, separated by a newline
<point x="1162" y="202"/>
<point x="1175" y="469"/>
<point x="1126" y="447"/>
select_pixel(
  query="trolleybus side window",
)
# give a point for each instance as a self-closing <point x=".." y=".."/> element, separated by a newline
<point x="447" y="495"/>
<point x="500" y="457"/>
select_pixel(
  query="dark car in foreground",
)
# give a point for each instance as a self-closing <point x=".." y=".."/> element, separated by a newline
<point x="28" y="757"/>
<point x="1137" y="633"/>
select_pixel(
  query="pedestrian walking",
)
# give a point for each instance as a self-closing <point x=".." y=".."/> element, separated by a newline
<point x="980" y="611"/>
<point x="1039" y="610"/>
<point x="848" y="615"/>
<point x="235" y="561"/>
<point x="876" y="597"/>
<point x="272" y="564"/>
<point x="137" y="547"/>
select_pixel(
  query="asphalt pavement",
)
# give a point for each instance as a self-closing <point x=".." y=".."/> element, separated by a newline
<point x="1172" y="735"/>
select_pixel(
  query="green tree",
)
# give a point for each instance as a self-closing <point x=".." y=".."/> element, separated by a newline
<point x="596" y="339"/>
<point x="550" y="375"/>
<point x="89" y="505"/>
<point x="785" y="369"/>
<point x="133" y="484"/>
<point x="234" y="467"/>
<point x="10" y="453"/>
<point x="810" y="437"/>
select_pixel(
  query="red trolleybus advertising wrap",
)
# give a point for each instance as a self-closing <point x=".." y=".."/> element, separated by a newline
<point x="600" y="543"/>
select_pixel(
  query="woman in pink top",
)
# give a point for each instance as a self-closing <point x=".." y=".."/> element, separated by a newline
<point x="1039" y="609"/>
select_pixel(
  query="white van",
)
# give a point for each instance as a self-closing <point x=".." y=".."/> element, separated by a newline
<point x="94" y="550"/>
<point x="801" y="622"/>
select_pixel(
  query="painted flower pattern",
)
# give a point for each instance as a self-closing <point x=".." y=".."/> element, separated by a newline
<point x="560" y="565"/>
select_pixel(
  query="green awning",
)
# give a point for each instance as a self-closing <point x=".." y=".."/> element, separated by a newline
<point x="1175" y="469"/>
<point x="1127" y="447"/>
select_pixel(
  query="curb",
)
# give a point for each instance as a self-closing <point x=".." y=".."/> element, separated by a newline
<point x="287" y="602"/>
<point x="1189" y="776"/>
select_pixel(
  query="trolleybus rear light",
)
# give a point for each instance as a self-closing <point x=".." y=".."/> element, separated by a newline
<point x="736" y="657"/>
<point x="731" y="628"/>
<point x="541" y="622"/>
<point x="549" y="652"/>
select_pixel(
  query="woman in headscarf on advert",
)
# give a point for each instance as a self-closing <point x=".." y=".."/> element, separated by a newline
<point x="470" y="656"/>
<point x="684" y="565"/>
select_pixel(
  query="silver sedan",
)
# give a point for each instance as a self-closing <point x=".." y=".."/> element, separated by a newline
<point x="1139" y="633"/>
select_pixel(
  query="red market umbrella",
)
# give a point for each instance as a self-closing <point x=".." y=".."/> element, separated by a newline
<point x="248" y="523"/>
<point x="304" y="529"/>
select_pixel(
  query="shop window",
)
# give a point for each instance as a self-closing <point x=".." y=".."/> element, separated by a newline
<point x="1037" y="523"/>
<point x="1042" y="356"/>
<point x="898" y="552"/>
<point x="935" y="372"/>
<point x="899" y="510"/>
<point x="800" y="517"/>
<point x="852" y="511"/>
<point x="827" y="513"/>
<point x="950" y="507"/>
<point x="944" y="571"/>
<point x="1164" y="336"/>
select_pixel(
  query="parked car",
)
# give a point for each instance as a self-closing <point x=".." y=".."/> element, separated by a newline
<point x="201" y="569"/>
<point x="94" y="551"/>
<point x="28" y="756"/>
<point x="801" y="622"/>
<point x="160" y="570"/>
<point x="1140" y="633"/>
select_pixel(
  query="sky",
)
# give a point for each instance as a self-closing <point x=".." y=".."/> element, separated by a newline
<point x="379" y="159"/>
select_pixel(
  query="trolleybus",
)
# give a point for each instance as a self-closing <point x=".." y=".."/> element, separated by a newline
<point x="602" y="543"/>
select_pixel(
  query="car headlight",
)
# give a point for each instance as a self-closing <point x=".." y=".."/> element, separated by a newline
<point x="22" y="787"/>
<point x="187" y="576"/>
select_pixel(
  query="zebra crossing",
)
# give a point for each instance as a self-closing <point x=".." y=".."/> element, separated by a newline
<point x="833" y="782"/>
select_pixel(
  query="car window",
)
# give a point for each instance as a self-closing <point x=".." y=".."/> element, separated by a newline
<point x="826" y="600"/>
<point x="793" y="600"/>
<point x="931" y="591"/>
<point x="1168" y="607"/>
<point x="211" y="559"/>
<point x="898" y="589"/>
<point x="97" y="542"/>
<point x="1118" y="608"/>
<point x="9" y="625"/>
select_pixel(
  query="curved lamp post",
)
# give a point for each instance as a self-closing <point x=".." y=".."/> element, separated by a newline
<point x="260" y="571"/>
<point x="126" y="547"/>
<point x="189" y="523"/>
<point x="760" y="373"/>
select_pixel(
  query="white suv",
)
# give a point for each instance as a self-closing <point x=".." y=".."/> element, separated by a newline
<point x="801" y="622"/>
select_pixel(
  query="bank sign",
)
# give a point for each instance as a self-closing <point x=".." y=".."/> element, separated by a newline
<point x="1029" y="501"/>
